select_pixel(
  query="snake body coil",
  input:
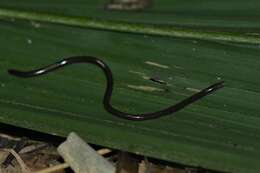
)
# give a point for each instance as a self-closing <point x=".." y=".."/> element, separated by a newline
<point x="109" y="88"/>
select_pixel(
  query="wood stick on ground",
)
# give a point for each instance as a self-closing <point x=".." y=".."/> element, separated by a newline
<point x="54" y="168"/>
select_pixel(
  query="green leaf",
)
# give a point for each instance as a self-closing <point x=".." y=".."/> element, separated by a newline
<point x="219" y="132"/>
<point x="134" y="28"/>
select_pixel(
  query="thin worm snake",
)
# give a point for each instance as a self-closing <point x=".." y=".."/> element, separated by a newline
<point x="109" y="88"/>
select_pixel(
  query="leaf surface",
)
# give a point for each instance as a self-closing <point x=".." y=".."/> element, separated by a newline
<point x="219" y="132"/>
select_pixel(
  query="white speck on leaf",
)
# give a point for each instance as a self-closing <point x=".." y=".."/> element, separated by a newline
<point x="29" y="41"/>
<point x="35" y="24"/>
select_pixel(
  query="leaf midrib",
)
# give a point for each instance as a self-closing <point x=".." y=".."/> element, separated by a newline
<point x="135" y="28"/>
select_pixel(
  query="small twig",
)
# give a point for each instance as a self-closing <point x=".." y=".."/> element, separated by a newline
<point x="54" y="168"/>
<point x="20" y="161"/>
<point x="20" y="145"/>
<point x="66" y="165"/>
<point x="33" y="148"/>
<point x="104" y="151"/>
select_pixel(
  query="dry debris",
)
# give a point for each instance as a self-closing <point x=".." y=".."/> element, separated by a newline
<point x="23" y="155"/>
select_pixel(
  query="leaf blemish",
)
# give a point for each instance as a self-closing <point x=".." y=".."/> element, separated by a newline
<point x="127" y="4"/>
<point x="156" y="64"/>
<point x="193" y="89"/>
<point x="143" y="75"/>
<point x="145" y="88"/>
<point x="157" y="79"/>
